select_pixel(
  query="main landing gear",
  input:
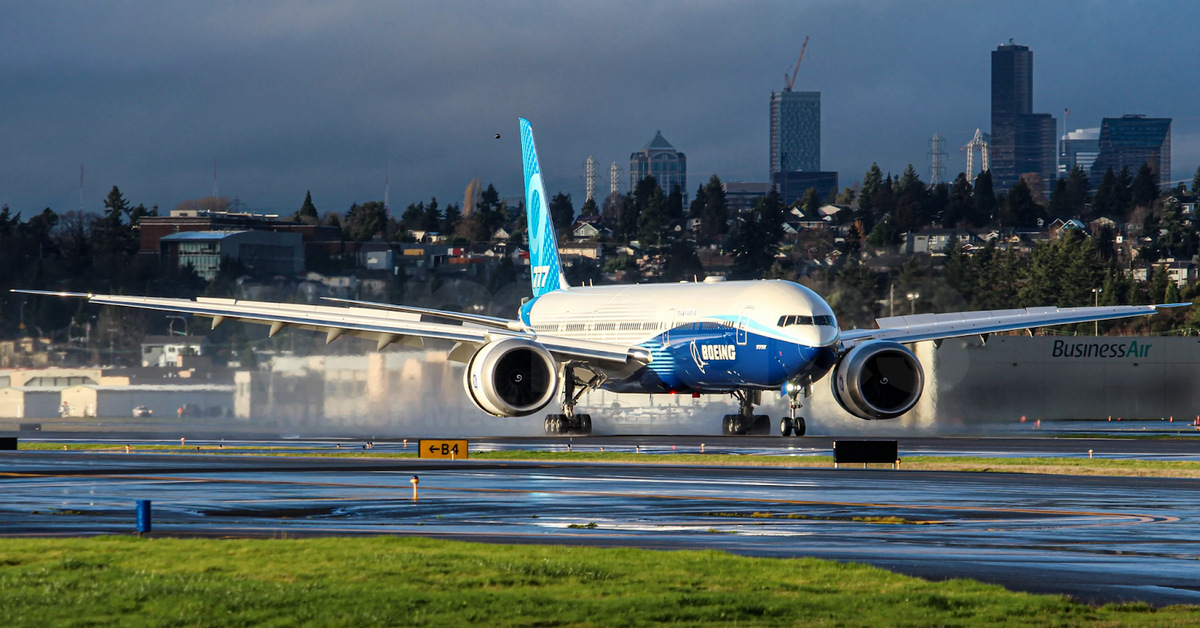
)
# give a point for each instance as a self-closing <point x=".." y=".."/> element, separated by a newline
<point x="573" y="389"/>
<point x="746" y="422"/>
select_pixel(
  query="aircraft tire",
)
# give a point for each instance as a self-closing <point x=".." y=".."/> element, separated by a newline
<point x="799" y="428"/>
<point x="785" y="427"/>
<point x="727" y="425"/>
<point x="585" y="423"/>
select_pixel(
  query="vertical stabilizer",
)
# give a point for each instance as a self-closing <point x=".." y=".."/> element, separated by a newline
<point x="545" y="269"/>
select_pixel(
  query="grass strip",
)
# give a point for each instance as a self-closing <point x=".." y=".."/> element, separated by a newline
<point x="1047" y="465"/>
<point x="376" y="581"/>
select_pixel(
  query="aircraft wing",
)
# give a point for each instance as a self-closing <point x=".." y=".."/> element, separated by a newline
<point x="384" y="326"/>
<point x="939" y="326"/>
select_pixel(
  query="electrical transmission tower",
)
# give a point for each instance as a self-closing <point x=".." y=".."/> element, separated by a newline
<point x="614" y="179"/>
<point x="936" y="155"/>
<point x="591" y="178"/>
<point x="979" y="142"/>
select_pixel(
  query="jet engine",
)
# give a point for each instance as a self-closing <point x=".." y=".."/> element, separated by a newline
<point x="878" y="380"/>
<point x="511" y="377"/>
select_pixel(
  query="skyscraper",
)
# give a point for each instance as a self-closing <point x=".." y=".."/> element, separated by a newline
<point x="795" y="131"/>
<point x="1079" y="148"/>
<point x="660" y="160"/>
<point x="1129" y="142"/>
<point x="1022" y="142"/>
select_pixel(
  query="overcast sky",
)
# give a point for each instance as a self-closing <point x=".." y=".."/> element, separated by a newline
<point x="328" y="96"/>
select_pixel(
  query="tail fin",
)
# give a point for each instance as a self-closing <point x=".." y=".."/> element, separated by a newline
<point x="545" y="269"/>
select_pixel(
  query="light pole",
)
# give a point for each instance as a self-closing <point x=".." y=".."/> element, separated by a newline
<point x="1096" y="303"/>
<point x="912" y="301"/>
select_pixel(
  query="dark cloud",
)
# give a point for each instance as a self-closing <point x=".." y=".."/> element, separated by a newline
<point x="288" y="97"/>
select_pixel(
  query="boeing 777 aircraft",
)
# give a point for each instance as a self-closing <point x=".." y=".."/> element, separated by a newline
<point x="729" y="337"/>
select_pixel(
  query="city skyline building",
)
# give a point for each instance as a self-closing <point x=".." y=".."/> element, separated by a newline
<point x="1022" y="142"/>
<point x="659" y="159"/>
<point x="1129" y="142"/>
<point x="795" y="131"/>
<point x="1079" y="148"/>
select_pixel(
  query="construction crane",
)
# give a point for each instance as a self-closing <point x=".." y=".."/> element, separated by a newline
<point x="789" y="81"/>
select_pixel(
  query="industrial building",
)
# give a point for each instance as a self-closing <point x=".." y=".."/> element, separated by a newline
<point x="266" y="252"/>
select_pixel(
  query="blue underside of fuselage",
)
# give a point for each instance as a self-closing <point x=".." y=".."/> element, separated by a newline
<point x="717" y="361"/>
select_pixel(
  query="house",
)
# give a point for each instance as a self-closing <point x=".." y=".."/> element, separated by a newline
<point x="935" y="241"/>
<point x="588" y="230"/>
<point x="170" y="350"/>
<point x="1059" y="225"/>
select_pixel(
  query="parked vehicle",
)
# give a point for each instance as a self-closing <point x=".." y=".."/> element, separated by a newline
<point x="142" y="411"/>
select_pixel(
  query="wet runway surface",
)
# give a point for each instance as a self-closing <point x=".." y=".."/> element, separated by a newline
<point x="1096" y="538"/>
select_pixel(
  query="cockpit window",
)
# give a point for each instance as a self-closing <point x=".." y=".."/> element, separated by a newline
<point x="824" y="320"/>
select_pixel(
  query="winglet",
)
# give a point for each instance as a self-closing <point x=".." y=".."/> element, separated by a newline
<point x="545" y="269"/>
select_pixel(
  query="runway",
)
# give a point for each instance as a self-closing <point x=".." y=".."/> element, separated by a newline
<point x="1096" y="538"/>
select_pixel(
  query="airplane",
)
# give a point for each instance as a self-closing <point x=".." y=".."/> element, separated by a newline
<point x="713" y="336"/>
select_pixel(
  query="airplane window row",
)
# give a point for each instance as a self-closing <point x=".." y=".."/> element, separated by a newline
<point x="801" y="319"/>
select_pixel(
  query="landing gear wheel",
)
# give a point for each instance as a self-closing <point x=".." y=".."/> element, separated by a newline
<point x="798" y="427"/>
<point x="727" y="425"/>
<point x="785" y="426"/>
<point x="546" y="424"/>
<point x="585" y="423"/>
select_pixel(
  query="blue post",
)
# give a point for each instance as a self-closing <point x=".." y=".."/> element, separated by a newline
<point x="143" y="516"/>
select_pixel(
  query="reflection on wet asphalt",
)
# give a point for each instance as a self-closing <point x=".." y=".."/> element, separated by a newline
<point x="1098" y="538"/>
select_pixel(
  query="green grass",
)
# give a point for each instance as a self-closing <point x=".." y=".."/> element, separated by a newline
<point x="1072" y="466"/>
<point x="124" y="581"/>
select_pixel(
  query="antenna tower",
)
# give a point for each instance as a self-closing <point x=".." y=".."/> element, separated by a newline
<point x="614" y="179"/>
<point x="977" y="142"/>
<point x="936" y="154"/>
<point x="216" y="191"/>
<point x="387" y="186"/>
<point x="80" y="187"/>
<point x="590" y="173"/>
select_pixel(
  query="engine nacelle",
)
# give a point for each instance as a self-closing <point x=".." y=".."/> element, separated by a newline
<point x="878" y="380"/>
<point x="511" y="377"/>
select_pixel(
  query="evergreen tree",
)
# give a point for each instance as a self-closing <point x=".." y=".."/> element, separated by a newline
<point x="959" y="203"/>
<point x="308" y="212"/>
<point x="1077" y="191"/>
<point x="715" y="215"/>
<point x="1196" y="182"/>
<point x="984" y="200"/>
<point x="450" y="219"/>
<point x="910" y="202"/>
<point x="1107" y="199"/>
<point x="652" y="220"/>
<point x="1058" y="199"/>
<point x="1019" y="208"/>
<point x="589" y="208"/>
<point x="810" y="204"/>
<point x="364" y="221"/>
<point x="1145" y="186"/>
<point x="696" y="209"/>
<point x="675" y="205"/>
<point x="871" y="182"/>
<point x="562" y="213"/>
<point x="1124" y="191"/>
